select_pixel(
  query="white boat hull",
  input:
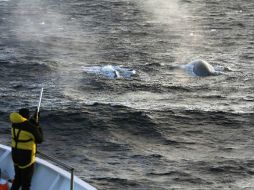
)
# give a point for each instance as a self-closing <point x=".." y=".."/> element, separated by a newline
<point x="46" y="176"/>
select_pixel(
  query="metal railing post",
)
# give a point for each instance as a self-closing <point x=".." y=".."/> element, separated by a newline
<point x="72" y="179"/>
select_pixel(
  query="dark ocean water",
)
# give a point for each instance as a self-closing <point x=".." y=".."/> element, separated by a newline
<point x="163" y="129"/>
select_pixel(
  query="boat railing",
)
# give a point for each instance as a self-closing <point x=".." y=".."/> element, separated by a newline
<point x="63" y="165"/>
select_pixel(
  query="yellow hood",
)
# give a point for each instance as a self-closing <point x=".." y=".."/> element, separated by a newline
<point x="17" y="118"/>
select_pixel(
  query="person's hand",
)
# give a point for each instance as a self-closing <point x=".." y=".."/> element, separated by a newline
<point x="35" y="118"/>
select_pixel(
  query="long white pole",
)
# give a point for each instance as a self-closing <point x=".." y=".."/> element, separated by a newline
<point x="39" y="105"/>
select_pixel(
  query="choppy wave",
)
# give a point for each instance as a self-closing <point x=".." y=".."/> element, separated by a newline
<point x="160" y="129"/>
<point x="117" y="142"/>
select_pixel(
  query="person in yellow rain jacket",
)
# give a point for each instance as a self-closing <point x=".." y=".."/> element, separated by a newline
<point x="26" y="133"/>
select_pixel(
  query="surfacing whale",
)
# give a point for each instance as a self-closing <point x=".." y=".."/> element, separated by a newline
<point x="202" y="68"/>
<point x="110" y="71"/>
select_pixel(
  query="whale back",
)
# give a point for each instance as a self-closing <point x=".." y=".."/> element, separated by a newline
<point x="202" y="68"/>
<point x="110" y="71"/>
